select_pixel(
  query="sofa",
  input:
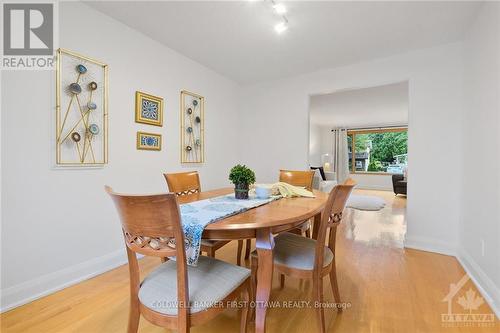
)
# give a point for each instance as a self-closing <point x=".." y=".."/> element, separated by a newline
<point x="327" y="184"/>
<point x="399" y="184"/>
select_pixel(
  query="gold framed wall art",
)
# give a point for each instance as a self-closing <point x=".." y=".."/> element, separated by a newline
<point x="148" y="141"/>
<point x="81" y="110"/>
<point x="148" y="109"/>
<point x="192" y="127"/>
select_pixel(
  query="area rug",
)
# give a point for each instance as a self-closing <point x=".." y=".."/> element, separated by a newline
<point x="365" y="202"/>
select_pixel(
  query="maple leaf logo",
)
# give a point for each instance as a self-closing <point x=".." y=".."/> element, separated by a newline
<point x="470" y="301"/>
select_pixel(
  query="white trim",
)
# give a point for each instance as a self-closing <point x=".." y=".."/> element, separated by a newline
<point x="429" y="245"/>
<point x="373" y="187"/>
<point x="484" y="284"/>
<point x="31" y="290"/>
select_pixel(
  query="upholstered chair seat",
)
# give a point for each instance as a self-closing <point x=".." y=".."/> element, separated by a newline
<point x="305" y="258"/>
<point x="174" y="295"/>
<point x="209" y="282"/>
<point x="297" y="252"/>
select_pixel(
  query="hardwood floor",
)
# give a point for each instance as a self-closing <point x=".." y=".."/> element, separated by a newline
<point x="389" y="289"/>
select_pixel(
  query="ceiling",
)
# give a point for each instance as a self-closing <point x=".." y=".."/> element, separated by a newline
<point x="369" y="107"/>
<point x="237" y="39"/>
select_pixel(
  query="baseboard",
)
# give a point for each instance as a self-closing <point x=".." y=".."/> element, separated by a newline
<point x="484" y="284"/>
<point x="47" y="284"/>
<point x="429" y="245"/>
<point x="373" y="187"/>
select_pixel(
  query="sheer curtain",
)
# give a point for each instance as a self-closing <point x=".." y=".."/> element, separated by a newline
<point x="340" y="154"/>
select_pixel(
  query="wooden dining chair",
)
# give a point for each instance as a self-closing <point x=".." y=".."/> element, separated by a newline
<point x="183" y="183"/>
<point x="302" y="257"/>
<point x="174" y="295"/>
<point x="296" y="178"/>
<point x="304" y="179"/>
<point x="186" y="183"/>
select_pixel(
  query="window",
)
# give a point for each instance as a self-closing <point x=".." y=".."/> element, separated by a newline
<point x="378" y="151"/>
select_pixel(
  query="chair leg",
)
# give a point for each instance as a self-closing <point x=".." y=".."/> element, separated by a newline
<point x="248" y="247"/>
<point x="133" y="316"/>
<point x="308" y="232"/>
<point x="335" y="286"/>
<point x="282" y="281"/>
<point x="253" y="285"/>
<point x="318" y="298"/>
<point x="240" y="249"/>
<point x="211" y="253"/>
<point x="245" y="313"/>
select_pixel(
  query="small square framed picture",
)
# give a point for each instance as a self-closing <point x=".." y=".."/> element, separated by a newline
<point x="148" y="109"/>
<point x="148" y="141"/>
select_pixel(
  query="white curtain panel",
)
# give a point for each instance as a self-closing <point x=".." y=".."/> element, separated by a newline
<point x="340" y="154"/>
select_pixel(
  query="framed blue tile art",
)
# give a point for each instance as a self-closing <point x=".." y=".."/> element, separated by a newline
<point x="148" y="141"/>
<point x="148" y="109"/>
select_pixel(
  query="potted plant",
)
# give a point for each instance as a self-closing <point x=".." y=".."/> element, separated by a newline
<point x="242" y="177"/>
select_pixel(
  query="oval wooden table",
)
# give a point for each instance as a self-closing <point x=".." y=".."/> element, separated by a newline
<point x="261" y="223"/>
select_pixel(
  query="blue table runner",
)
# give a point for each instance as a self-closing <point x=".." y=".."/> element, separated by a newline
<point x="196" y="215"/>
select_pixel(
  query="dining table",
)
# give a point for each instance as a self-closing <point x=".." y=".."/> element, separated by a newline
<point x="262" y="223"/>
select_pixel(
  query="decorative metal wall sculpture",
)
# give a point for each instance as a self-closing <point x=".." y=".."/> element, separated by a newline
<point x="148" y="141"/>
<point x="81" y="110"/>
<point x="148" y="109"/>
<point x="192" y="127"/>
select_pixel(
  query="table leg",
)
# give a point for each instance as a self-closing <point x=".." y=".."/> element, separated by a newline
<point x="264" y="245"/>
<point x="316" y="222"/>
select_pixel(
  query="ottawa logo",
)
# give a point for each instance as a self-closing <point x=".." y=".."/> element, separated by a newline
<point x="470" y="302"/>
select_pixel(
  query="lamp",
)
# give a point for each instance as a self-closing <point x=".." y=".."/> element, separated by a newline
<point x="327" y="162"/>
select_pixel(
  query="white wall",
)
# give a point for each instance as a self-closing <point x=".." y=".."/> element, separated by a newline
<point x="320" y="142"/>
<point x="379" y="106"/>
<point x="58" y="226"/>
<point x="276" y="118"/>
<point x="480" y="218"/>
<point x="373" y="182"/>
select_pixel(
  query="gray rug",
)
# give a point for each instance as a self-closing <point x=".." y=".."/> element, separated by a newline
<point x="365" y="202"/>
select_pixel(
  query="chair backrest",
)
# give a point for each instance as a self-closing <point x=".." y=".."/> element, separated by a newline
<point x="151" y="226"/>
<point x="183" y="183"/>
<point x="298" y="178"/>
<point x="330" y="219"/>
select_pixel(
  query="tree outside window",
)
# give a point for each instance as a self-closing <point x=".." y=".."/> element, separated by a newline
<point x="378" y="151"/>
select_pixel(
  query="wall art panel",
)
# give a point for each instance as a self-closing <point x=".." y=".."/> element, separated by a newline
<point x="192" y="127"/>
<point x="81" y="110"/>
